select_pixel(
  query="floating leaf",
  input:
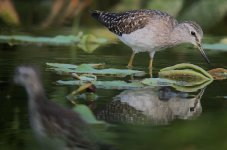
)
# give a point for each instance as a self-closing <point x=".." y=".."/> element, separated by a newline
<point x="157" y="82"/>
<point x="86" y="42"/>
<point x="187" y="66"/>
<point x="105" y="84"/>
<point x="58" y="65"/>
<point x="90" y="69"/>
<point x="24" y="39"/>
<point x="185" y="74"/>
<point x="187" y="77"/>
<point x="218" y="46"/>
<point x="218" y="73"/>
<point x="71" y="66"/>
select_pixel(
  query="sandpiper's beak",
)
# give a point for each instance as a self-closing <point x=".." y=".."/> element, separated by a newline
<point x="199" y="46"/>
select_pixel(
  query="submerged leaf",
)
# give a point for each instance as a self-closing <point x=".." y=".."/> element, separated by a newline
<point x="89" y="43"/>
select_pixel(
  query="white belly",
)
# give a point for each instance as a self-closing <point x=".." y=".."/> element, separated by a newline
<point x="147" y="39"/>
<point x="140" y="40"/>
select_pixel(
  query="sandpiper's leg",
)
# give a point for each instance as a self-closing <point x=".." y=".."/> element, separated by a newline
<point x="131" y="60"/>
<point x="151" y="63"/>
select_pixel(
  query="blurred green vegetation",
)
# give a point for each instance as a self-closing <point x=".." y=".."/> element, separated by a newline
<point x="210" y="14"/>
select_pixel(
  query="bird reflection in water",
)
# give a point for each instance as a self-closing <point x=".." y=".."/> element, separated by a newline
<point x="157" y="106"/>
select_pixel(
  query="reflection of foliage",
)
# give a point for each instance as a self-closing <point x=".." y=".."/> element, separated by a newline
<point x="206" y="12"/>
<point x="171" y="6"/>
<point x="8" y="13"/>
<point x="61" y="13"/>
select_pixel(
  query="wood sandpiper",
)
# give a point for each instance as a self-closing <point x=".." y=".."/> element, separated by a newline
<point x="150" y="31"/>
<point x="54" y="126"/>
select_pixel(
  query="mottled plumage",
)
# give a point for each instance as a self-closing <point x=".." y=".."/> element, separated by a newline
<point x="129" y="21"/>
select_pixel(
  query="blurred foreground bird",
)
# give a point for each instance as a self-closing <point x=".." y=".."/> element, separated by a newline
<point x="150" y="31"/>
<point x="53" y="124"/>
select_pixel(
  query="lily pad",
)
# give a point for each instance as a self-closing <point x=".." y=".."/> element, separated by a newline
<point x="186" y="77"/>
<point x="88" y="43"/>
<point x="185" y="74"/>
<point x="25" y="39"/>
<point x="218" y="46"/>
<point x="183" y="66"/>
<point x="105" y="84"/>
<point x="90" y="69"/>
<point x="157" y="82"/>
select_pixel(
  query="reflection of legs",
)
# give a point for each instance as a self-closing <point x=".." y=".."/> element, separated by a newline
<point x="151" y="62"/>
<point x="131" y="60"/>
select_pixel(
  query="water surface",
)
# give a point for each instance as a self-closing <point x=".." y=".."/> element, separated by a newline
<point x="204" y="130"/>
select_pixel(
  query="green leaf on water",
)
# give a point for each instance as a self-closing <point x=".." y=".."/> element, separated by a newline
<point x="116" y="84"/>
<point x="157" y="82"/>
<point x="218" y="46"/>
<point x="185" y="74"/>
<point x="25" y="39"/>
<point x="90" y="69"/>
<point x="57" y="65"/>
<point x="187" y="77"/>
<point x="88" y="43"/>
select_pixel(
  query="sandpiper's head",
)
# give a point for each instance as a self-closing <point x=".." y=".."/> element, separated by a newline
<point x="26" y="76"/>
<point x="193" y="33"/>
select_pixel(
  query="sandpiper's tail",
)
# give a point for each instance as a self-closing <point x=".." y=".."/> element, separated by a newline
<point x="104" y="18"/>
<point x="95" y="14"/>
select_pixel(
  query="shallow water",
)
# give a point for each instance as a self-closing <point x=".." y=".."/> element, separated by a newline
<point x="207" y="129"/>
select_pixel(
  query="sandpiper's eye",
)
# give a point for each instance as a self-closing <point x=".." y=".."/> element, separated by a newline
<point x="193" y="33"/>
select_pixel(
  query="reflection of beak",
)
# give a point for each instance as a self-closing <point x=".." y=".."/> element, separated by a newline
<point x="202" y="52"/>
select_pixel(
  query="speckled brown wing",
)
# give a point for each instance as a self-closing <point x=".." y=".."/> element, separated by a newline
<point x="126" y="22"/>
